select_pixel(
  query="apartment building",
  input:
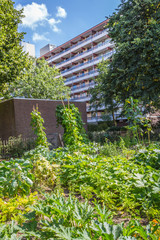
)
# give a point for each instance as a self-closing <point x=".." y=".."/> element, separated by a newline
<point x="28" y="48"/>
<point x="77" y="60"/>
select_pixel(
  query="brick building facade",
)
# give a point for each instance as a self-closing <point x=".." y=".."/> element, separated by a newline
<point x="15" y="117"/>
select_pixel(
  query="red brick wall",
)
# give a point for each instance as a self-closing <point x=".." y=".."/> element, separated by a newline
<point x="7" y="120"/>
<point x="15" y="116"/>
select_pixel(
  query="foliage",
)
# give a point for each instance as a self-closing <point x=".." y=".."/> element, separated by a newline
<point x="20" y="176"/>
<point x="107" y="180"/>
<point x="70" y="119"/>
<point x="38" y="128"/>
<point x="133" y="115"/>
<point x="116" y="148"/>
<point x="120" y="182"/>
<point x="43" y="151"/>
<point x="13" y="60"/>
<point x="104" y="95"/>
<point x="9" y="231"/>
<point x="149" y="156"/>
<point x="100" y="126"/>
<point x="113" y="133"/>
<point x="14" y="208"/>
<point x="136" y="119"/>
<point x="57" y="217"/>
<point x="134" y="69"/>
<point x="15" y="146"/>
<point x="44" y="172"/>
<point x="15" y="177"/>
<point x="72" y="219"/>
<point x="40" y="81"/>
<point x="98" y="137"/>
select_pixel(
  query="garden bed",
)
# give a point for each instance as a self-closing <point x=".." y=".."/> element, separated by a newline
<point x="81" y="192"/>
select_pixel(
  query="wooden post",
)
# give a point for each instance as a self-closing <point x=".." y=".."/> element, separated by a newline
<point x="60" y="138"/>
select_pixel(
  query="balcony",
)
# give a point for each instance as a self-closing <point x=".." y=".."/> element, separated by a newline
<point x="93" y="109"/>
<point x="94" y="119"/>
<point x="81" y="77"/>
<point x="81" y="99"/>
<point x="101" y="118"/>
<point x="87" y="53"/>
<point x="88" y="64"/>
<point x="78" y="45"/>
<point x="82" y="88"/>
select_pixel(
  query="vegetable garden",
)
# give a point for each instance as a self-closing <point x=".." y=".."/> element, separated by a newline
<point x="82" y="191"/>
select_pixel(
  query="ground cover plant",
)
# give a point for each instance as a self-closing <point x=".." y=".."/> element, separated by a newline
<point x="79" y="192"/>
<point x="103" y="186"/>
<point x="120" y="182"/>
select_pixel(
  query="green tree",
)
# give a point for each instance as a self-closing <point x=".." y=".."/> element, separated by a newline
<point x="12" y="59"/>
<point x="103" y="95"/>
<point x="134" y="70"/>
<point x="40" y="81"/>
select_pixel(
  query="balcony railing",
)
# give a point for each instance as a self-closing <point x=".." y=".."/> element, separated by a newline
<point x="93" y="109"/>
<point x="81" y="98"/>
<point x="68" y="49"/>
<point x="95" y="118"/>
<point x="82" y="87"/>
<point x="89" y="50"/>
<point x="81" y="75"/>
<point x="102" y="118"/>
<point x="90" y="61"/>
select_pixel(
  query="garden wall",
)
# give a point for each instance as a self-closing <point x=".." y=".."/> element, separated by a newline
<point x="15" y="118"/>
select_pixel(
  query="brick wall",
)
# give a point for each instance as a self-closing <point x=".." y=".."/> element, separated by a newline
<point x="7" y="120"/>
<point x="15" y="117"/>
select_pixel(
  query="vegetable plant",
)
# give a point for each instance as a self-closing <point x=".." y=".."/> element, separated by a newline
<point x="70" y="119"/>
<point x="38" y="128"/>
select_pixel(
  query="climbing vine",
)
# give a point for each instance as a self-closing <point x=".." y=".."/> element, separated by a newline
<point x="38" y="128"/>
<point x="70" y="119"/>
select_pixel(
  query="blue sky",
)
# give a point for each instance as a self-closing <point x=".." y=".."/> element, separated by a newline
<point x="57" y="21"/>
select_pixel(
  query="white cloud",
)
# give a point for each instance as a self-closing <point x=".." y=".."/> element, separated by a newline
<point x="52" y="21"/>
<point x="34" y="13"/>
<point x="53" y="24"/>
<point x="61" y="12"/>
<point x="37" y="37"/>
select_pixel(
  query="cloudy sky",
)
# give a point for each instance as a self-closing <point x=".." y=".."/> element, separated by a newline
<point x="57" y="21"/>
